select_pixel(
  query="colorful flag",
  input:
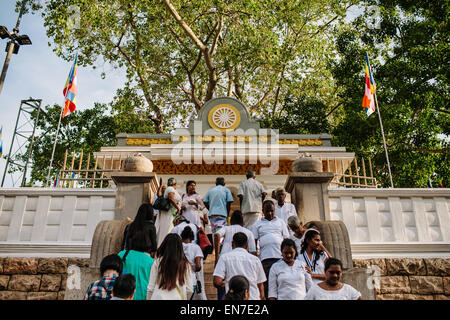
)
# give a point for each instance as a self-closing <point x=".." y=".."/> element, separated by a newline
<point x="369" y="101"/>
<point x="70" y="90"/>
<point x="55" y="182"/>
<point x="429" y="183"/>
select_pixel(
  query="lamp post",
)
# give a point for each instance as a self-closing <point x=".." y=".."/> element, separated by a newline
<point x="14" y="44"/>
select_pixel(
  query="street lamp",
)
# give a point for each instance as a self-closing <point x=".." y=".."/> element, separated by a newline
<point x="14" y="44"/>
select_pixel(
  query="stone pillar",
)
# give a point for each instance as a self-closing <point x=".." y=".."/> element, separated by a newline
<point x="308" y="187"/>
<point x="133" y="189"/>
<point x="309" y="194"/>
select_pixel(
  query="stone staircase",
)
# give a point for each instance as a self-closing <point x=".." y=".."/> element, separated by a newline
<point x="208" y="266"/>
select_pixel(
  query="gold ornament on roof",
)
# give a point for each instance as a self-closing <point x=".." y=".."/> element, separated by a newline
<point x="224" y="118"/>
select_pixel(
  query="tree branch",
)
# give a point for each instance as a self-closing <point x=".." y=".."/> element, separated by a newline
<point x="202" y="47"/>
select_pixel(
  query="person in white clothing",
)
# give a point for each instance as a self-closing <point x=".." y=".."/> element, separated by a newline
<point x="296" y="226"/>
<point x="288" y="278"/>
<point x="314" y="255"/>
<point x="163" y="223"/>
<point x="240" y="262"/>
<point x="180" y="222"/>
<point x="227" y="233"/>
<point x="251" y="196"/>
<point x="332" y="288"/>
<point x="269" y="232"/>
<point x="192" y="205"/>
<point x="194" y="254"/>
<point x="283" y="209"/>
<point x="171" y="275"/>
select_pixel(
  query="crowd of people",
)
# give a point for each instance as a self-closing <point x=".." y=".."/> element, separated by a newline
<point x="262" y="251"/>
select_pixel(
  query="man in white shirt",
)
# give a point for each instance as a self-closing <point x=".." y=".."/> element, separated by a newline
<point x="283" y="209"/>
<point x="251" y="195"/>
<point x="240" y="262"/>
<point x="270" y="232"/>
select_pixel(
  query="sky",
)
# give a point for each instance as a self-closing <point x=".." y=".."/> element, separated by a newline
<point x="36" y="72"/>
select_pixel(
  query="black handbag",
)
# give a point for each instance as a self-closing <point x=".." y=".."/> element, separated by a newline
<point x="162" y="203"/>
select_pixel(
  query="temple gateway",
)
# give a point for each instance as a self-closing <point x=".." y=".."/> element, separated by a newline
<point x="225" y="141"/>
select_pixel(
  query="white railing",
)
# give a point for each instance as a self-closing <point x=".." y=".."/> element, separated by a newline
<point x="381" y="222"/>
<point x="396" y="222"/>
<point x="52" y="221"/>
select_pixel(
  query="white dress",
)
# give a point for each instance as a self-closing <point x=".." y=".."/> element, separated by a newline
<point x="164" y="219"/>
<point x="193" y="213"/>
<point x="347" y="292"/>
<point x="192" y="251"/>
<point x="184" y="292"/>
<point x="289" y="282"/>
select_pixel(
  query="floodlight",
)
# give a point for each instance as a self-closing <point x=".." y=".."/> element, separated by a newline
<point x="4" y="33"/>
<point x="24" y="40"/>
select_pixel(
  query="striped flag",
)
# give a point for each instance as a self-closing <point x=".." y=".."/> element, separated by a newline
<point x="70" y="90"/>
<point x="369" y="101"/>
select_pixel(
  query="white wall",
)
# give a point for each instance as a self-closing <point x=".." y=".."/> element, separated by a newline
<point x="381" y="222"/>
<point x="394" y="222"/>
<point x="39" y="220"/>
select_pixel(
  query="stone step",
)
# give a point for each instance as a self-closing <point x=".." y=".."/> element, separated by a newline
<point x="208" y="270"/>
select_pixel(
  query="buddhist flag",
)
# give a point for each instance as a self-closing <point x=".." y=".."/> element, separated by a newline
<point x="369" y="101"/>
<point x="70" y="90"/>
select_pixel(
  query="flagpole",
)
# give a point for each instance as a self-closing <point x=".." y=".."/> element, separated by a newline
<point x="60" y="116"/>
<point x="384" y="140"/>
<point x="56" y="138"/>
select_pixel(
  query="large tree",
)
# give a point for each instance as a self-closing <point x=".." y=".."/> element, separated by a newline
<point x="180" y="54"/>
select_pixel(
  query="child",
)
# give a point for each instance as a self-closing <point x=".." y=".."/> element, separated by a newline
<point x="110" y="268"/>
<point x="124" y="287"/>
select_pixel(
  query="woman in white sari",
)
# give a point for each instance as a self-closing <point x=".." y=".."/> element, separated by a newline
<point x="164" y="220"/>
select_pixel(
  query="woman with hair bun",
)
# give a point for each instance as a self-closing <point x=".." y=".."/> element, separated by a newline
<point x="239" y="289"/>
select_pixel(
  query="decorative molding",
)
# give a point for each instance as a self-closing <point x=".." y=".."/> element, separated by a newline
<point x="59" y="192"/>
<point x="146" y="141"/>
<point x="409" y="249"/>
<point x="44" y="250"/>
<point x="301" y="142"/>
<point x="359" y="250"/>
<point x="168" y="167"/>
<point x="388" y="192"/>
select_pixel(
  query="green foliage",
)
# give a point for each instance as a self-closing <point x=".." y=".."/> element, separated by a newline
<point x="302" y="115"/>
<point x="409" y="54"/>
<point x="256" y="51"/>
<point x="86" y="130"/>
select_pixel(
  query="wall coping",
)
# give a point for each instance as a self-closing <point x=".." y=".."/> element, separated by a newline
<point x="57" y="192"/>
<point x="388" y="192"/>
